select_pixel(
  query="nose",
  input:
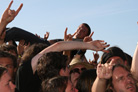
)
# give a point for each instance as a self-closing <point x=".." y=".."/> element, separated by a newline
<point x="129" y="80"/>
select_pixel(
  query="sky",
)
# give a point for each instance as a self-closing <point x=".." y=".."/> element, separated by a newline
<point x="114" y="21"/>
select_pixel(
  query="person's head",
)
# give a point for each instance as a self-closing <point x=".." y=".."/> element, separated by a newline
<point x="122" y="80"/>
<point x="33" y="50"/>
<point x="129" y="59"/>
<point x="6" y="84"/>
<point x="9" y="61"/>
<point x="57" y="84"/>
<point x="76" y="66"/>
<point x="52" y="64"/>
<point x="85" y="80"/>
<point x="9" y="48"/>
<point x="83" y="31"/>
<point x="116" y="55"/>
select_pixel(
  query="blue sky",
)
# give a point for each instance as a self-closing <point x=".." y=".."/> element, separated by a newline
<point x="114" y="21"/>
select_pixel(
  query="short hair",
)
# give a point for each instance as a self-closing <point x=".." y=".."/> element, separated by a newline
<point x="88" y="27"/>
<point x="33" y="50"/>
<point x="113" y="51"/>
<point x="55" y="84"/>
<point x="9" y="47"/>
<point x="4" y="54"/>
<point x="2" y="70"/>
<point x="109" y="82"/>
<point x="50" y="64"/>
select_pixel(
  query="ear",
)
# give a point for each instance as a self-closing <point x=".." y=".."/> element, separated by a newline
<point x="61" y="72"/>
<point x="15" y="69"/>
<point x="126" y="63"/>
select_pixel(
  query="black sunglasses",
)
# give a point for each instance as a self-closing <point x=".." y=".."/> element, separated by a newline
<point x="77" y="70"/>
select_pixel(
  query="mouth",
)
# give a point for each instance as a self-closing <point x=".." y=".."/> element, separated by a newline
<point x="130" y="87"/>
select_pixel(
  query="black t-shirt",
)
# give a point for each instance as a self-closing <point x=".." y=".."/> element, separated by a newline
<point x="26" y="81"/>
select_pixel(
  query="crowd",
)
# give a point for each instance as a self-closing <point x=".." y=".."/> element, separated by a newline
<point x="59" y="65"/>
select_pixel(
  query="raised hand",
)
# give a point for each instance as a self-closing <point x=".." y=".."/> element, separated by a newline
<point x="88" y="38"/>
<point x="104" y="71"/>
<point x="69" y="36"/>
<point x="46" y="35"/>
<point x="20" y="47"/>
<point x="37" y="35"/>
<point x="9" y="14"/>
<point x="99" y="45"/>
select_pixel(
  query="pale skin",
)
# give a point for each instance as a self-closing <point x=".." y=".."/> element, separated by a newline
<point x="97" y="45"/>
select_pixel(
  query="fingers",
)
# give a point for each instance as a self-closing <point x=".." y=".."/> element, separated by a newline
<point x="74" y="33"/>
<point x="65" y="33"/>
<point x="10" y="5"/>
<point x="17" y="11"/>
<point x="91" y="34"/>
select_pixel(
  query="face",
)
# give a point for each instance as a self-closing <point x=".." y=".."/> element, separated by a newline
<point x="123" y="81"/>
<point x="70" y="87"/>
<point x="6" y="84"/>
<point x="115" y="60"/>
<point x="82" y="32"/>
<point x="75" y="73"/>
<point x="8" y="63"/>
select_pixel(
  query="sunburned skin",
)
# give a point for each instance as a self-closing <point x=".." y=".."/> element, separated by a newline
<point x="123" y="80"/>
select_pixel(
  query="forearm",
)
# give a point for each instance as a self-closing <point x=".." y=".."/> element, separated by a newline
<point x="134" y="66"/>
<point x="99" y="85"/>
<point x="2" y="26"/>
<point x="59" y="46"/>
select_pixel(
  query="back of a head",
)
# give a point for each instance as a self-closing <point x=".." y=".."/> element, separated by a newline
<point x="85" y="80"/>
<point x="4" y="54"/>
<point x="55" y="84"/>
<point x="8" y="48"/>
<point x="50" y="64"/>
<point x="113" y="51"/>
<point x="33" y="50"/>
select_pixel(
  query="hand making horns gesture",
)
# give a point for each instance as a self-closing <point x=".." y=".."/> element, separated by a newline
<point x="9" y="14"/>
<point x="69" y="36"/>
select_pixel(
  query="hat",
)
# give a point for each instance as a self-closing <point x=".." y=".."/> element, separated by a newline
<point x="113" y="51"/>
<point x="78" y="61"/>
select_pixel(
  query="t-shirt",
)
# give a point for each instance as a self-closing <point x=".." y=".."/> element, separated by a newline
<point x="26" y="81"/>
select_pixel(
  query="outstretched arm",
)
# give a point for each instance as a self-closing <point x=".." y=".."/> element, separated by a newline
<point x="134" y="66"/>
<point x="8" y="16"/>
<point x="104" y="72"/>
<point x="97" y="45"/>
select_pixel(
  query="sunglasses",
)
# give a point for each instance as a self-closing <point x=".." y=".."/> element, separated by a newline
<point x="77" y="70"/>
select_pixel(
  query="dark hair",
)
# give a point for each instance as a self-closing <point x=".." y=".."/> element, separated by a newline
<point x="33" y="50"/>
<point x="85" y="80"/>
<point x="88" y="27"/>
<point x="50" y="64"/>
<point x="129" y="59"/>
<point x="9" y="47"/>
<point x="109" y="82"/>
<point x="4" y="54"/>
<point x="55" y="84"/>
<point x="113" y="51"/>
<point x="2" y="69"/>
